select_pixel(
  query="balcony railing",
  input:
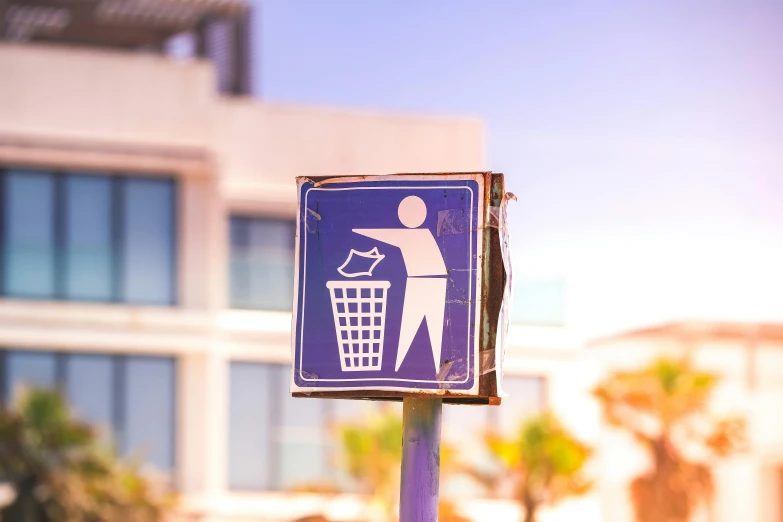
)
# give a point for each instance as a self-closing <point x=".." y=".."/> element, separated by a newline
<point x="217" y="29"/>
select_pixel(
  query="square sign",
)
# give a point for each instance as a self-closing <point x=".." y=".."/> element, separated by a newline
<point x="388" y="285"/>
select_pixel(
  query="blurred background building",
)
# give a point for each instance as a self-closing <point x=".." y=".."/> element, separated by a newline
<point x="147" y="234"/>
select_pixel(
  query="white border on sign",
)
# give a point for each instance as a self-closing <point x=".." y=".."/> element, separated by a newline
<point x="479" y="179"/>
<point x="304" y="289"/>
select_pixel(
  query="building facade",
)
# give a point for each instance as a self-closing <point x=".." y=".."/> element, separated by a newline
<point x="147" y="234"/>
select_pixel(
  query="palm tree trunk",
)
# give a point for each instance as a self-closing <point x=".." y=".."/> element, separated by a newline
<point x="24" y="507"/>
<point x="530" y="510"/>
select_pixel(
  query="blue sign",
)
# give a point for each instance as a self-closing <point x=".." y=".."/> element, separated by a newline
<point x="388" y="284"/>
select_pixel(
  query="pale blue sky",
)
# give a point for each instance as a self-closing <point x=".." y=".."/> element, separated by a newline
<point x="645" y="142"/>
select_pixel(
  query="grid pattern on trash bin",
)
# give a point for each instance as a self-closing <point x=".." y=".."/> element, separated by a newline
<point x="360" y="318"/>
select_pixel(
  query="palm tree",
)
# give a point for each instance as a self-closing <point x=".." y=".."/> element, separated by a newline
<point x="664" y="407"/>
<point x="61" y="474"/>
<point x="541" y="464"/>
<point x="371" y="455"/>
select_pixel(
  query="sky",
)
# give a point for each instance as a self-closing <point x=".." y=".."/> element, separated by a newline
<point x="643" y="140"/>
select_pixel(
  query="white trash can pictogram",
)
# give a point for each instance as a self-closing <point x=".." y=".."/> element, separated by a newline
<point x="359" y="310"/>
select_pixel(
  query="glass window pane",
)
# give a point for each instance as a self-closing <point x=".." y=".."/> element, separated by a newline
<point x="88" y="238"/>
<point x="262" y="263"/>
<point x="29" y="369"/>
<point x="89" y="388"/>
<point x="149" y="410"/>
<point x="539" y="302"/>
<point x="249" y="426"/>
<point x="526" y="399"/>
<point x="302" y="438"/>
<point x="148" y="249"/>
<point x="29" y="234"/>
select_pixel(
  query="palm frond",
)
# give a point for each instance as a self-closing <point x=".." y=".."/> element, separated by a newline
<point x="59" y="466"/>
<point x="658" y="404"/>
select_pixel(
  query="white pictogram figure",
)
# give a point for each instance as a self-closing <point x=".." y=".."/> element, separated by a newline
<point x="425" y="290"/>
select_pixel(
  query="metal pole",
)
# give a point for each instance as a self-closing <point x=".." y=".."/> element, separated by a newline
<point x="420" y="478"/>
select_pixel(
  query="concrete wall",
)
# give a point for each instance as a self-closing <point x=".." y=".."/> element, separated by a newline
<point x="152" y="108"/>
<point x="262" y="147"/>
<point x="57" y="92"/>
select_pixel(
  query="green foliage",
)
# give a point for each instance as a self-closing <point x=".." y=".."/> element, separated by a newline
<point x="61" y="473"/>
<point x="372" y="452"/>
<point x="656" y="398"/>
<point x="542" y="463"/>
<point x="664" y="406"/>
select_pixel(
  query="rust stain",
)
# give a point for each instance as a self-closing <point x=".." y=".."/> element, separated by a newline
<point x="493" y="281"/>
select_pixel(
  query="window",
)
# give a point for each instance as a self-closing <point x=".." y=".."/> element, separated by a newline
<point x="540" y="302"/>
<point x="262" y="263"/>
<point x="29" y="369"/>
<point x="527" y="397"/>
<point x="88" y="237"/>
<point x="276" y="441"/>
<point x="148" y="408"/>
<point x="89" y="256"/>
<point x="250" y="416"/>
<point x="148" y="255"/>
<point x="28" y="231"/>
<point x="89" y="388"/>
<point x="302" y="439"/>
<point x="131" y="397"/>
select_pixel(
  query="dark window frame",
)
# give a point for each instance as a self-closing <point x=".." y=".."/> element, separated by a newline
<point x="117" y="183"/>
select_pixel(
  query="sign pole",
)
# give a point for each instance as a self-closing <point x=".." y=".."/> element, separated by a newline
<point x="420" y="477"/>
